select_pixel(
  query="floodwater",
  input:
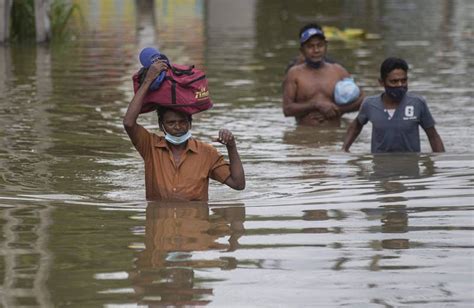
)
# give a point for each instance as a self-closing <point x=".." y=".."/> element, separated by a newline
<point x="314" y="227"/>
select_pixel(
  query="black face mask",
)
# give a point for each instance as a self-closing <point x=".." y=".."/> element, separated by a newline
<point x="314" y="64"/>
<point x="396" y="93"/>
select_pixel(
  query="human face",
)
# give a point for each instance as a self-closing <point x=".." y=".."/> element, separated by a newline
<point x="314" y="49"/>
<point x="396" y="78"/>
<point x="175" y="123"/>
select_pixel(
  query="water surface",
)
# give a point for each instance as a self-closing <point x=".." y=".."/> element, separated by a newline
<point x="314" y="227"/>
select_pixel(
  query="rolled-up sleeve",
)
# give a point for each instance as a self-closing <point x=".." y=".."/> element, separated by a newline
<point x="220" y="169"/>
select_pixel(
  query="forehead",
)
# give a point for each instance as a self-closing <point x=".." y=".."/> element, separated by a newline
<point x="171" y="115"/>
<point x="315" y="39"/>
<point x="397" y="73"/>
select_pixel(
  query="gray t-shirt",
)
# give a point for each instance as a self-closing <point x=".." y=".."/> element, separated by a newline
<point x="399" y="133"/>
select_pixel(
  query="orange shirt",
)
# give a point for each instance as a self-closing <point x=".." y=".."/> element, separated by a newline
<point x="189" y="180"/>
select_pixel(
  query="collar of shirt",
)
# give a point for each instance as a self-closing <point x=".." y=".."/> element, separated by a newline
<point x="190" y="146"/>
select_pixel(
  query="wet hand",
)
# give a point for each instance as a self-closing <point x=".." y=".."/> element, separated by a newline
<point x="225" y="137"/>
<point x="155" y="69"/>
<point x="328" y="109"/>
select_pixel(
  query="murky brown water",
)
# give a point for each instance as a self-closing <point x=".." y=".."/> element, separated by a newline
<point x="315" y="226"/>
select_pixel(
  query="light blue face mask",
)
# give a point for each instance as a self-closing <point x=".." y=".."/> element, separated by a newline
<point x="177" y="139"/>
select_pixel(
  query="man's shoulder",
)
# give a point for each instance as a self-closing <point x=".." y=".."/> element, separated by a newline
<point x="299" y="67"/>
<point x="157" y="140"/>
<point x="335" y="65"/>
<point x="415" y="98"/>
<point x="372" y="100"/>
<point x="142" y="132"/>
<point x="336" y="69"/>
<point x="296" y="73"/>
<point x="153" y="138"/>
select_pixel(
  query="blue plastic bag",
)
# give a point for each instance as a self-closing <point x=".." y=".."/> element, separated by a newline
<point x="346" y="91"/>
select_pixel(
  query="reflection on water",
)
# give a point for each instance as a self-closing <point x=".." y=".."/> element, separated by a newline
<point x="324" y="138"/>
<point x="361" y="229"/>
<point x="166" y="270"/>
<point x="26" y="261"/>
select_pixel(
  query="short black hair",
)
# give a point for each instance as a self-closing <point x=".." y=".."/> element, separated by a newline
<point x="162" y="110"/>
<point x="391" y="64"/>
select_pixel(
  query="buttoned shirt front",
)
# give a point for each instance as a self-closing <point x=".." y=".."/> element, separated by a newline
<point x="186" y="180"/>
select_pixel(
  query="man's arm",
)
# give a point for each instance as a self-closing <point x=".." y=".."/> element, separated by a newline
<point x="135" y="106"/>
<point x="353" y="131"/>
<point x="354" y="106"/>
<point x="236" y="180"/>
<point x="435" y="139"/>
<point x="291" y="108"/>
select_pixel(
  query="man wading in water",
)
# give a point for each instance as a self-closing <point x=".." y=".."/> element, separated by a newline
<point x="395" y="115"/>
<point x="177" y="166"/>
<point x="308" y="89"/>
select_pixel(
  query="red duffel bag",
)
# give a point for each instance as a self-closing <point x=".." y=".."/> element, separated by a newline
<point x="184" y="88"/>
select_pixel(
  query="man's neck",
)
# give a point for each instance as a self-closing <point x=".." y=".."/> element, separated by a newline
<point x="177" y="147"/>
<point x="389" y="103"/>
<point x="314" y="65"/>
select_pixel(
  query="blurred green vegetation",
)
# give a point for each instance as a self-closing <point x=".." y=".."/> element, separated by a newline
<point x="22" y="26"/>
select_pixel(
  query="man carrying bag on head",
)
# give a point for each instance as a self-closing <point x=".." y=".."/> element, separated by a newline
<point x="178" y="166"/>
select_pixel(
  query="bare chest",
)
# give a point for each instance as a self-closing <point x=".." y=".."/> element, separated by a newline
<point x="320" y="84"/>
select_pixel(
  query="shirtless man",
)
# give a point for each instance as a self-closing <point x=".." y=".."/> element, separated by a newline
<point x="308" y="89"/>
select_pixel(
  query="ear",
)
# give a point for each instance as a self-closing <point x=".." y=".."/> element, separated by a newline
<point x="381" y="83"/>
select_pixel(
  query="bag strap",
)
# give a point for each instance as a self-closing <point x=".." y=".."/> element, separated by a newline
<point x="173" y="92"/>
